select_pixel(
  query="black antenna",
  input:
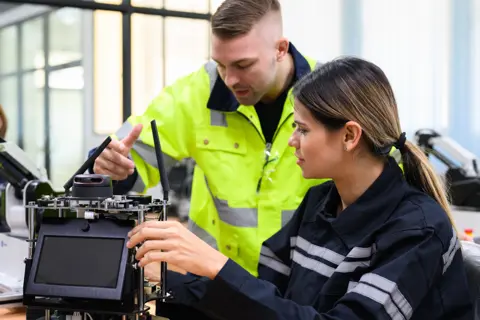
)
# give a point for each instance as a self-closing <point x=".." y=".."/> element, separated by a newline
<point x="166" y="190"/>
<point x="87" y="163"/>
<point x="160" y="162"/>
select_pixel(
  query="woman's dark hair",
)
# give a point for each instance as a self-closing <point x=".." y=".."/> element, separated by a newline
<point x="352" y="89"/>
<point x="3" y="123"/>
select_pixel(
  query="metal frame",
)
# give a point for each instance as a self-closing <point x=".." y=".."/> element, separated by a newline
<point x="126" y="9"/>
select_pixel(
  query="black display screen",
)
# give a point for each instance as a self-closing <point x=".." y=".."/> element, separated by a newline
<point x="79" y="261"/>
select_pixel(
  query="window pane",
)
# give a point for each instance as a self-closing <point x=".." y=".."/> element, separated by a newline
<point x="34" y="117"/>
<point x="148" y="3"/>
<point x="65" y="36"/>
<point x="186" y="46"/>
<point x="475" y="83"/>
<point x="33" y="55"/>
<point x="8" y="45"/>
<point x="9" y="102"/>
<point x="66" y="150"/>
<point x="214" y="4"/>
<point x="417" y="66"/>
<point x="107" y="72"/>
<point x="147" y="60"/>
<point x="200" y="6"/>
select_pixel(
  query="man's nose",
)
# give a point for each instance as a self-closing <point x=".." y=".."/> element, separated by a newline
<point x="230" y="79"/>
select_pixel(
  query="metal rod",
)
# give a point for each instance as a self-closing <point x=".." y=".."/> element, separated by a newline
<point x="163" y="265"/>
<point x="47" y="314"/>
<point x="92" y="5"/>
<point x="31" y="231"/>
<point x="141" y="219"/>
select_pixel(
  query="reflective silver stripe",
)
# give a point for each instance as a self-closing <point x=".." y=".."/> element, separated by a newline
<point x="202" y="234"/>
<point x="211" y="69"/>
<point x="124" y="130"/>
<point x="269" y="259"/>
<point x="274" y="264"/>
<point x="287" y="216"/>
<point x="312" y="264"/>
<point x="238" y="217"/>
<point x="386" y="293"/>
<point x="139" y="185"/>
<point x="452" y="249"/>
<point x="218" y="118"/>
<point x="147" y="153"/>
<point x="356" y="253"/>
<point x="351" y="285"/>
<point x="318" y="251"/>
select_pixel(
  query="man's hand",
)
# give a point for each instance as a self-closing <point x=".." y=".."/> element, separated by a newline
<point x="113" y="161"/>
<point x="171" y="242"/>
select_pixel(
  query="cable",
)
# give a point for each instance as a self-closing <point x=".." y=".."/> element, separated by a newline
<point x="88" y="315"/>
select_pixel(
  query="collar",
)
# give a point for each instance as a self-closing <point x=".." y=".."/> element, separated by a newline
<point x="222" y="99"/>
<point x="370" y="211"/>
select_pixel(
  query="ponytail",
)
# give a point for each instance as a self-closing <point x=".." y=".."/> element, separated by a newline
<point x="420" y="174"/>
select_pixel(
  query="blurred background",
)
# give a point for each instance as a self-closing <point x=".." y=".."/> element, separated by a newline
<point x="71" y="75"/>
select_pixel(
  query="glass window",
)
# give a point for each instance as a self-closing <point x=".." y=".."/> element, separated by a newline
<point x="408" y="41"/>
<point x="214" y="4"/>
<point x="66" y="138"/>
<point x="9" y="102"/>
<point x="147" y="60"/>
<point x="8" y="54"/>
<point x="33" y="55"/>
<point x="107" y="72"/>
<point x="200" y="6"/>
<point x="186" y="46"/>
<point x="475" y="82"/>
<point x="148" y="3"/>
<point x="65" y="36"/>
<point x="33" y="117"/>
<point x="322" y="15"/>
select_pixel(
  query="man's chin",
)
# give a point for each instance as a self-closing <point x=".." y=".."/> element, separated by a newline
<point x="247" y="101"/>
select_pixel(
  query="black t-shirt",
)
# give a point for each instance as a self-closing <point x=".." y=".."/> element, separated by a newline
<point x="270" y="115"/>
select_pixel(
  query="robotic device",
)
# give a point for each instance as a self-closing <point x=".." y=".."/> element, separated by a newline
<point x="24" y="182"/>
<point x="462" y="175"/>
<point x="78" y="261"/>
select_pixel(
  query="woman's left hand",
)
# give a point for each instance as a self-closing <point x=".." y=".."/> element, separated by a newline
<point x="171" y="242"/>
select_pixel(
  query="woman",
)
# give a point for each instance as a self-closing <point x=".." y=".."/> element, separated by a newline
<point x="374" y="243"/>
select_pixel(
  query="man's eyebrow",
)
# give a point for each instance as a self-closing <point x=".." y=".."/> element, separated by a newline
<point x="238" y="61"/>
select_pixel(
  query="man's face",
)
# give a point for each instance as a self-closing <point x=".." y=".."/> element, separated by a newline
<point x="247" y="64"/>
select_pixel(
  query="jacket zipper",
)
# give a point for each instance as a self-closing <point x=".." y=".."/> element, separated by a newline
<point x="268" y="146"/>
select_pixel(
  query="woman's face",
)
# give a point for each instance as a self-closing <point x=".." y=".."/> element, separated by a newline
<point x="319" y="151"/>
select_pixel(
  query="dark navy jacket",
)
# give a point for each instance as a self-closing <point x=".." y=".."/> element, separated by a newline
<point x="392" y="254"/>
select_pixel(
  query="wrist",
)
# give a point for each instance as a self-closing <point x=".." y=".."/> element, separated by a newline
<point x="217" y="264"/>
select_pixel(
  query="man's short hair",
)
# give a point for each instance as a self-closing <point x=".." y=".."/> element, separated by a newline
<point x="237" y="17"/>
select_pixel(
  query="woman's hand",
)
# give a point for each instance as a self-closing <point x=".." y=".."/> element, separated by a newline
<point x="171" y="242"/>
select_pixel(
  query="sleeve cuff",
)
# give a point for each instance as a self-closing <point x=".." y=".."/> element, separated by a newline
<point x="233" y="275"/>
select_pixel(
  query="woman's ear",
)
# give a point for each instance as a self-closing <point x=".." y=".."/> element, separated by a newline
<point x="352" y="136"/>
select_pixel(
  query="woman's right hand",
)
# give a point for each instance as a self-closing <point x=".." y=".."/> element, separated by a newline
<point x="151" y="272"/>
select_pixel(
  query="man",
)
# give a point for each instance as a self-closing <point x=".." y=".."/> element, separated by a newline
<point x="233" y="116"/>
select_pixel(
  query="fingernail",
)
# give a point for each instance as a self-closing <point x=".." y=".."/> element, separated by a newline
<point x="128" y="244"/>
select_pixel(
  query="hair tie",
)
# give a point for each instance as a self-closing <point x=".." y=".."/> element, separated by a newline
<point x="400" y="143"/>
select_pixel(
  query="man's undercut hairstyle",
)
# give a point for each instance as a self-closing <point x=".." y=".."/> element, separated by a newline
<point x="237" y="17"/>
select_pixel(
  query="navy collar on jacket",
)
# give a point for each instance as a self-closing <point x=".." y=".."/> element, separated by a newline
<point x="222" y="99"/>
<point x="371" y="210"/>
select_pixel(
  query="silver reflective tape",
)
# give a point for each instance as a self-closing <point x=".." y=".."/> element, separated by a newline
<point x="321" y="252"/>
<point x="124" y="130"/>
<point x="202" y="234"/>
<point x="211" y="69"/>
<point x="381" y="298"/>
<point x="351" y="285"/>
<point x="269" y="253"/>
<point x="350" y="266"/>
<point x="147" y="153"/>
<point x="450" y="254"/>
<point x="139" y="185"/>
<point x="238" y="217"/>
<point x="218" y="118"/>
<point x="274" y="264"/>
<point x="361" y="252"/>
<point x="287" y="216"/>
<point x="312" y="264"/>
<point x="396" y="300"/>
